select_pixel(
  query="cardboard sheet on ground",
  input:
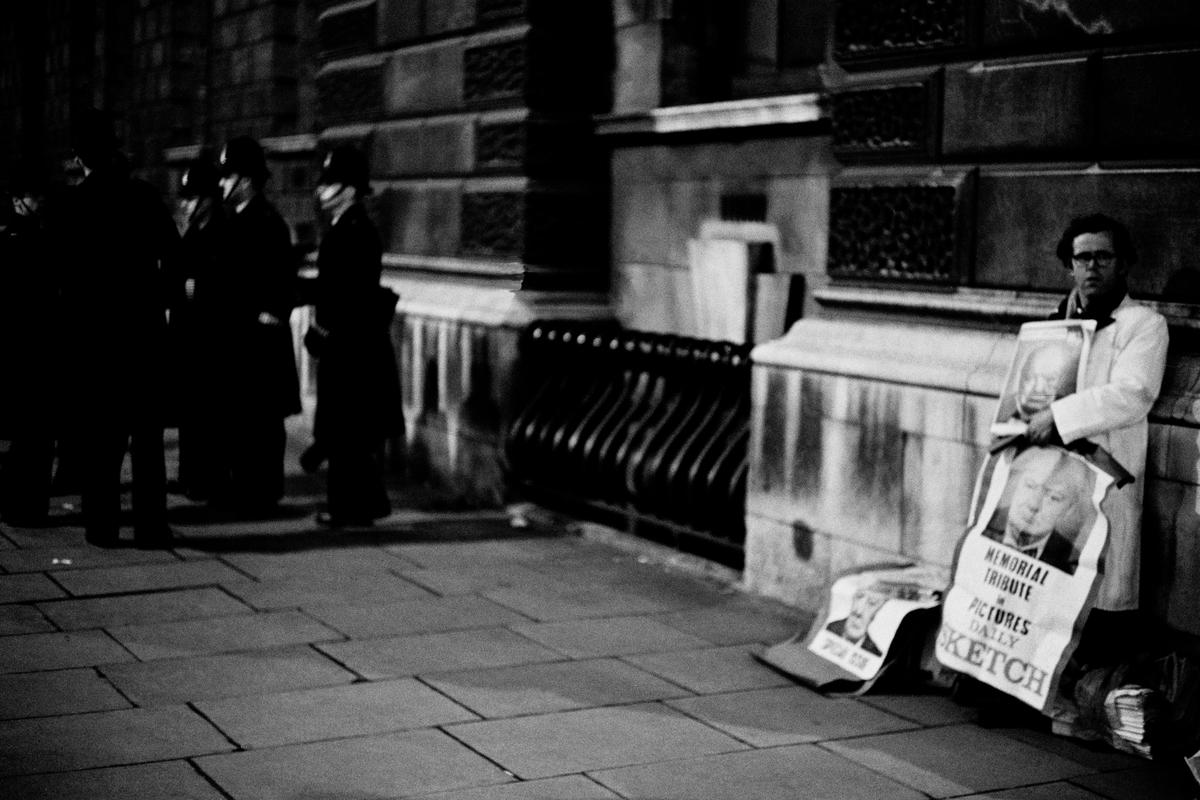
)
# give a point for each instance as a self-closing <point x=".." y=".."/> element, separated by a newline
<point x="1026" y="572"/>
<point x="861" y="627"/>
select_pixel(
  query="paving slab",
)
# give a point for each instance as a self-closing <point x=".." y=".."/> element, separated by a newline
<point x="468" y="578"/>
<point x="400" y="764"/>
<point x="552" y="600"/>
<point x="356" y="589"/>
<point x="22" y="619"/>
<point x="571" y="787"/>
<point x="733" y="623"/>
<point x="933" y="760"/>
<point x="53" y="536"/>
<point x="68" y="691"/>
<point x="574" y="741"/>
<point x="558" y="686"/>
<point x="44" y="651"/>
<point x="169" y="780"/>
<point x="142" y="608"/>
<point x="424" y="615"/>
<point x="144" y="577"/>
<point x="28" y="587"/>
<point x="782" y="773"/>
<point x="612" y="636"/>
<point x="437" y="652"/>
<point x="482" y="552"/>
<point x="1096" y="756"/>
<point x="712" y="669"/>
<point x="180" y="680"/>
<point x="1045" y="791"/>
<point x="107" y="738"/>
<point x="44" y="559"/>
<point x="927" y="709"/>
<point x="315" y="562"/>
<point x="335" y="712"/>
<point x="788" y="715"/>
<point x="221" y="634"/>
<point x="1166" y="781"/>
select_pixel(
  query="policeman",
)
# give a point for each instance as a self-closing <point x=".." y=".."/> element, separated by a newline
<point x="122" y="243"/>
<point x="202" y="220"/>
<point x="351" y="342"/>
<point x="252" y="294"/>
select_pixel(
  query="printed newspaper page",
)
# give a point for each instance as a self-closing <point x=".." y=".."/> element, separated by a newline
<point x="1026" y="573"/>
<point x="1046" y="365"/>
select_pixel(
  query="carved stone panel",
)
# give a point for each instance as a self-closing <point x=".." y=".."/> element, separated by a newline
<point x="1048" y="25"/>
<point x="500" y="145"/>
<point x="1018" y="107"/>
<point x="904" y="228"/>
<point x="884" y="121"/>
<point x="349" y="95"/>
<point x="867" y="30"/>
<point x="495" y="72"/>
<point x="1149" y="110"/>
<point x="493" y="224"/>
<point x="1026" y="211"/>
<point x="347" y="32"/>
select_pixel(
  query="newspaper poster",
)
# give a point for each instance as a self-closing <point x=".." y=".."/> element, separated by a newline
<point x="1026" y="573"/>
<point x="1046" y="365"/>
<point x="858" y="630"/>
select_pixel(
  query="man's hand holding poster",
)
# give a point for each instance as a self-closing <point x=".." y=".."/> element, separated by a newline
<point x="1025" y="573"/>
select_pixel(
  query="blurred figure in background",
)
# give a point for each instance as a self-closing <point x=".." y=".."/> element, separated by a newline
<point x="251" y="292"/>
<point x="121" y="243"/>
<point x="202" y="220"/>
<point x="351" y="342"/>
<point x="30" y="350"/>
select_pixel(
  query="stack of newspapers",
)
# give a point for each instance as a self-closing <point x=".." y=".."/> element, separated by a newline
<point x="1135" y="714"/>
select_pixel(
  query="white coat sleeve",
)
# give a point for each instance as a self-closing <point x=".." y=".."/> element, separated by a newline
<point x="1134" y="380"/>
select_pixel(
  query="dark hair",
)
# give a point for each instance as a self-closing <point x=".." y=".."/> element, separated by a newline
<point x="1097" y="223"/>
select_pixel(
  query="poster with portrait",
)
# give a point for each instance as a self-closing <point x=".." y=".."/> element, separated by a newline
<point x="1026" y="572"/>
<point x="861" y="626"/>
<point x="1046" y="365"/>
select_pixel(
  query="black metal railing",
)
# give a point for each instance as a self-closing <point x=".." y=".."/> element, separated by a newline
<point x="651" y="427"/>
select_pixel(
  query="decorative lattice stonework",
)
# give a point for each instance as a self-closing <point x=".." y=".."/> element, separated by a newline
<point x="501" y="144"/>
<point x="886" y="120"/>
<point x="350" y="94"/>
<point x="495" y="72"/>
<point x="493" y="224"/>
<point x="492" y="11"/>
<point x="868" y="29"/>
<point x="895" y="233"/>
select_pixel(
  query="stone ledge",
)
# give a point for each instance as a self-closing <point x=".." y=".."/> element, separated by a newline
<point x="796" y="109"/>
<point x="966" y="361"/>
<point x="490" y="305"/>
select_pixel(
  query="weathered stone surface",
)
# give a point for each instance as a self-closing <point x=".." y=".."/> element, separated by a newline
<point x="427" y="78"/>
<point x="1147" y="111"/>
<point x="1029" y="108"/>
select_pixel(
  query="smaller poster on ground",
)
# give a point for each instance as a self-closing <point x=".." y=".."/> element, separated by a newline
<point x="861" y="627"/>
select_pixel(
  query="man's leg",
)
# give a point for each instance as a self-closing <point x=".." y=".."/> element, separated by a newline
<point x="149" y="487"/>
<point x="102" y="456"/>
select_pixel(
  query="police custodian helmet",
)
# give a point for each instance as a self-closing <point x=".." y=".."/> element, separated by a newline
<point x="244" y="156"/>
<point x="346" y="165"/>
<point x="199" y="179"/>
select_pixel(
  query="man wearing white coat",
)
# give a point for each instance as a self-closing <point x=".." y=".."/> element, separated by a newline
<point x="1121" y="381"/>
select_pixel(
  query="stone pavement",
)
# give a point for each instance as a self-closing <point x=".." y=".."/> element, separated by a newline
<point x="450" y="655"/>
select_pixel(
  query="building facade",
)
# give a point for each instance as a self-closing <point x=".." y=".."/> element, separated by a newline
<point x="868" y="192"/>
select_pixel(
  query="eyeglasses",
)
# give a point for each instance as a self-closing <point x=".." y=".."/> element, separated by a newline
<point x="1101" y="258"/>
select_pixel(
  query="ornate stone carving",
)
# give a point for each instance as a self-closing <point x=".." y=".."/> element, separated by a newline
<point x="901" y="233"/>
<point x="493" y="223"/>
<point x="495" y="72"/>
<point x="880" y="28"/>
<point x="893" y="119"/>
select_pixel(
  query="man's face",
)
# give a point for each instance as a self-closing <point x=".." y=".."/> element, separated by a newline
<point x="863" y="608"/>
<point x="234" y="188"/>
<point x="1042" y="378"/>
<point x="1039" y="500"/>
<point x="1095" y="266"/>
